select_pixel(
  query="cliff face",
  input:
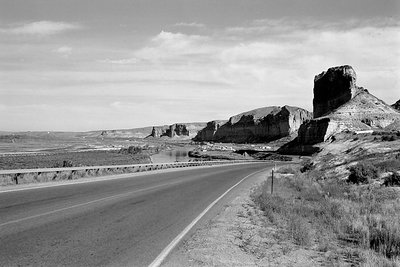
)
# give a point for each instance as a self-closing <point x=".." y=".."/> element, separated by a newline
<point x="333" y="88"/>
<point x="396" y="105"/>
<point x="259" y="125"/>
<point x="208" y="133"/>
<point x="347" y="108"/>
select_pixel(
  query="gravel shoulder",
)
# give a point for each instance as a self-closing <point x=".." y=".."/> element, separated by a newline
<point x="240" y="236"/>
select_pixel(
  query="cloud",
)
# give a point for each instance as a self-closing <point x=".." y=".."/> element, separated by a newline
<point x="214" y="75"/>
<point x="283" y="26"/>
<point x="176" y="41"/>
<point x="64" y="51"/>
<point x="168" y="48"/>
<point x="40" y="28"/>
<point x="191" y="24"/>
<point x="285" y="57"/>
<point x="123" y="61"/>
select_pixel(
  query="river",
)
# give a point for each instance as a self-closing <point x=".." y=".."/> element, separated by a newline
<point x="180" y="154"/>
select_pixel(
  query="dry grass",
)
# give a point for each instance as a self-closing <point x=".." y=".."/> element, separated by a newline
<point x="356" y="225"/>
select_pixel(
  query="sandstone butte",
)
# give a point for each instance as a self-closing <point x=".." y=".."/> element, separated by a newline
<point x="396" y="105"/>
<point x="187" y="130"/>
<point x="258" y="125"/>
<point x="340" y="105"/>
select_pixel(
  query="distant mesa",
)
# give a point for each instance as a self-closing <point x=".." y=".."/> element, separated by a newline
<point x="340" y="105"/>
<point x="258" y="125"/>
<point x="171" y="131"/>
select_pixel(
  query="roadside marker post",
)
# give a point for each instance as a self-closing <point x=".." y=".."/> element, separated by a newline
<point x="272" y="182"/>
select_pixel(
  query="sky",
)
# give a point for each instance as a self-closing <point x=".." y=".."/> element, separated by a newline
<point x="80" y="65"/>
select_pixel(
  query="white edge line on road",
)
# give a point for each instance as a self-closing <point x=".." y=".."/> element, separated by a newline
<point x="108" y="177"/>
<point x="161" y="257"/>
<point x="86" y="203"/>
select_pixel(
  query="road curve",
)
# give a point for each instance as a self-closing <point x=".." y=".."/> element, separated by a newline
<point x="119" y="222"/>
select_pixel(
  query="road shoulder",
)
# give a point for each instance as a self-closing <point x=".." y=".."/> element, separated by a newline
<point x="239" y="235"/>
<point x="218" y="242"/>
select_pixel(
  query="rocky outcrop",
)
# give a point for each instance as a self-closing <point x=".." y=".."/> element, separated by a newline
<point x="259" y="125"/>
<point x="333" y="88"/>
<point x="157" y="132"/>
<point x="348" y="108"/>
<point x="208" y="133"/>
<point x="396" y="105"/>
<point x="177" y="130"/>
<point x="173" y="130"/>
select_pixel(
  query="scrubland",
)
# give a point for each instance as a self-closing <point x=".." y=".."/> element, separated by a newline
<point x="347" y="222"/>
<point x="71" y="159"/>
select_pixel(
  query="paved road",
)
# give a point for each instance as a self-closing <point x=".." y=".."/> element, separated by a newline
<point x="111" y="222"/>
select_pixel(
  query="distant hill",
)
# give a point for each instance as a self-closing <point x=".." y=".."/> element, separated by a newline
<point x="142" y="132"/>
<point x="192" y="127"/>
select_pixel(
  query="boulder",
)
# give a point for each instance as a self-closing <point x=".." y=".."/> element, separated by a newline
<point x="259" y="125"/>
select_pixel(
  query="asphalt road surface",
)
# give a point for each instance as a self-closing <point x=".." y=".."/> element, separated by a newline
<point x="119" y="222"/>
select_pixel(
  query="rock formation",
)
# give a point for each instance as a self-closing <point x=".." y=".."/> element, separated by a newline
<point x="156" y="132"/>
<point x="333" y="88"/>
<point x="346" y="107"/>
<point x="259" y="125"/>
<point x="396" y="105"/>
<point x="208" y="133"/>
<point x="177" y="129"/>
<point x="170" y="131"/>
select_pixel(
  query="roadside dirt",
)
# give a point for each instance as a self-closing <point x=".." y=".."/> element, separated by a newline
<point x="241" y="236"/>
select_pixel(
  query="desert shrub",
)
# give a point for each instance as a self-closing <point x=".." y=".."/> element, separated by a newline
<point x="370" y="258"/>
<point x="389" y="165"/>
<point x="131" y="150"/>
<point x="297" y="183"/>
<point x="307" y="166"/>
<point x="363" y="219"/>
<point x="299" y="230"/>
<point x="68" y="163"/>
<point x="392" y="180"/>
<point x="362" y="173"/>
<point x="312" y="193"/>
<point x="287" y="170"/>
<point x="64" y="164"/>
<point x="385" y="238"/>
<point x="335" y="188"/>
<point x="389" y="138"/>
<point x="271" y="205"/>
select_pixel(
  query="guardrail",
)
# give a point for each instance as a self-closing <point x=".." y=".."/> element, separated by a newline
<point x="24" y="176"/>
